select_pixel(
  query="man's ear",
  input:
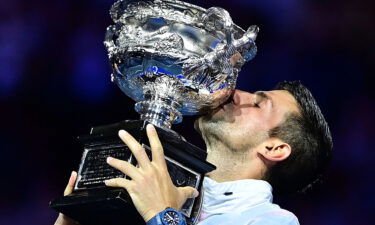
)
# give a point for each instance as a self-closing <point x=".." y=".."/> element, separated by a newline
<point x="275" y="150"/>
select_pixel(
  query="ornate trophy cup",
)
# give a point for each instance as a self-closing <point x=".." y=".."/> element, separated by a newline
<point x="173" y="59"/>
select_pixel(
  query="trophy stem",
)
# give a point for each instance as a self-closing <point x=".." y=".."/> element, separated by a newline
<point x="160" y="112"/>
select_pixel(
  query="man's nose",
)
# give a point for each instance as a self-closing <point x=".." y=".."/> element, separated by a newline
<point x="242" y="97"/>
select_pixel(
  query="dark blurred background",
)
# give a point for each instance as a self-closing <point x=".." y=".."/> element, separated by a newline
<point x="55" y="84"/>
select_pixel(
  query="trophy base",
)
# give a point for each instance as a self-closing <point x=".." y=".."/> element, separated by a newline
<point x="92" y="203"/>
<point x="99" y="207"/>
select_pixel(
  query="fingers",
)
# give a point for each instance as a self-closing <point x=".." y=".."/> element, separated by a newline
<point x="137" y="150"/>
<point x="156" y="147"/>
<point x="189" y="192"/>
<point x="69" y="188"/>
<point x="118" y="182"/>
<point x="124" y="167"/>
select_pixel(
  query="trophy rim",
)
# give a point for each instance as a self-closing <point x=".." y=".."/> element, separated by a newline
<point x="199" y="8"/>
<point x="173" y="3"/>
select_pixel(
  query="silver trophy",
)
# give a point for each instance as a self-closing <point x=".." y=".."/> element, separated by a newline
<point x="173" y="58"/>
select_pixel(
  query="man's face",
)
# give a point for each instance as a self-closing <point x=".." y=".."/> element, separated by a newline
<point x="245" y="121"/>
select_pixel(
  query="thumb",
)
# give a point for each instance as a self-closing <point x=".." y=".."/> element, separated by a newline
<point x="69" y="188"/>
<point x="189" y="192"/>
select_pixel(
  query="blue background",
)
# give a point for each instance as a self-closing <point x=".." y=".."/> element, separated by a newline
<point x="55" y="84"/>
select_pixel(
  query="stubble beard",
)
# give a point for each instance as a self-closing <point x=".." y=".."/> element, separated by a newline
<point x="211" y="128"/>
<point x="219" y="132"/>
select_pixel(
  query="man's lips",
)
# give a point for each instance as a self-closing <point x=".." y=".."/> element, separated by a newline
<point x="228" y="101"/>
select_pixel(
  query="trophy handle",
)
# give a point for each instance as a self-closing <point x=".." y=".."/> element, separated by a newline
<point x="219" y="59"/>
<point x="108" y="42"/>
<point x="224" y="20"/>
<point x="248" y="38"/>
<point x="222" y="53"/>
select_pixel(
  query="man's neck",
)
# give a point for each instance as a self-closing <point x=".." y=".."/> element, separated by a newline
<point x="230" y="165"/>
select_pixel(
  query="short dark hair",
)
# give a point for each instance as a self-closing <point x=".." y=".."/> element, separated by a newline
<point x="308" y="134"/>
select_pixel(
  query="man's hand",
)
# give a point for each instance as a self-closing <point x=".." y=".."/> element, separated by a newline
<point x="150" y="187"/>
<point x="62" y="219"/>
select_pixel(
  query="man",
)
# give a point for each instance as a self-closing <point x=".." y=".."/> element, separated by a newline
<point x="268" y="140"/>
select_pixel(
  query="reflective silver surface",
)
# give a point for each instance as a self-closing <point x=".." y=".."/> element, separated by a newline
<point x="174" y="58"/>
